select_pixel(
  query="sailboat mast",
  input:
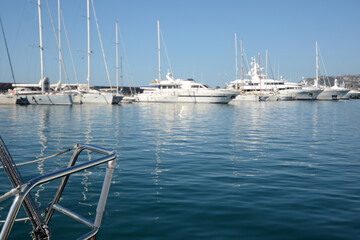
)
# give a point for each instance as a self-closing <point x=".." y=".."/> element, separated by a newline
<point x="59" y="26"/>
<point x="117" y="59"/>
<point x="41" y="42"/>
<point x="236" y="58"/>
<point x="260" y="73"/>
<point x="121" y="76"/>
<point x="242" y="66"/>
<point x="88" y="41"/>
<point x="317" y="67"/>
<point x="266" y="64"/>
<point x="158" y="28"/>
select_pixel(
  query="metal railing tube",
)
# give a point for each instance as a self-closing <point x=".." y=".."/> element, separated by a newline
<point x="104" y="194"/>
<point x="78" y="150"/>
<point x="65" y="172"/>
<point x="89" y="235"/>
<point x="73" y="215"/>
<point x="10" y="218"/>
<point x="26" y="188"/>
<point x="9" y="194"/>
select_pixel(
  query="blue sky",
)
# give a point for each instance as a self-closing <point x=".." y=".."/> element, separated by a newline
<point x="199" y="37"/>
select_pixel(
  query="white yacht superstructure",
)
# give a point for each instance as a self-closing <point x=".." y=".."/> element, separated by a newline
<point x="271" y="88"/>
<point x="260" y="88"/>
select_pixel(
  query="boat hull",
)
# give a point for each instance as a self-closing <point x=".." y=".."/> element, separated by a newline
<point x="187" y="96"/>
<point x="128" y="99"/>
<point x="77" y="99"/>
<point x="117" y="99"/>
<point x="280" y="97"/>
<point x="90" y="98"/>
<point x="307" y="94"/>
<point x="50" y="99"/>
<point x="331" y="94"/>
<point x="249" y="98"/>
<point x="353" y="94"/>
<point x="8" y="99"/>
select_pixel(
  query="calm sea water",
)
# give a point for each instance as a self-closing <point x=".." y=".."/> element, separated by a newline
<point x="269" y="170"/>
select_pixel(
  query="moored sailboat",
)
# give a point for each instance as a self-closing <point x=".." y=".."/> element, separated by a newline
<point x="42" y="94"/>
<point x="92" y="96"/>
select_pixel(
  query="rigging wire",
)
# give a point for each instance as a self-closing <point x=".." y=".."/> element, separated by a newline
<point x="326" y="77"/>
<point x="127" y="72"/>
<point x="102" y="48"/>
<point x="68" y="43"/>
<point x="57" y="43"/>
<point x="7" y="50"/>
<point x="167" y="56"/>
<point x="44" y="158"/>
<point x="247" y="63"/>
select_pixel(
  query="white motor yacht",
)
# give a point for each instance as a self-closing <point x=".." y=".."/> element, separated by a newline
<point x="333" y="93"/>
<point x="183" y="90"/>
<point x="300" y="91"/>
<point x="352" y="94"/>
<point x="258" y="88"/>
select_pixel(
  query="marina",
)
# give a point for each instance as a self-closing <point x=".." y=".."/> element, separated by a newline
<point x="108" y="132"/>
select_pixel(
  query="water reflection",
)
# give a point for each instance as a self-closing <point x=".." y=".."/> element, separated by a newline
<point x="88" y="172"/>
<point x="315" y="121"/>
<point x="157" y="171"/>
<point x="43" y="131"/>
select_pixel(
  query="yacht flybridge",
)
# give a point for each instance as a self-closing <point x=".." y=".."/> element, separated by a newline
<point x="181" y="90"/>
